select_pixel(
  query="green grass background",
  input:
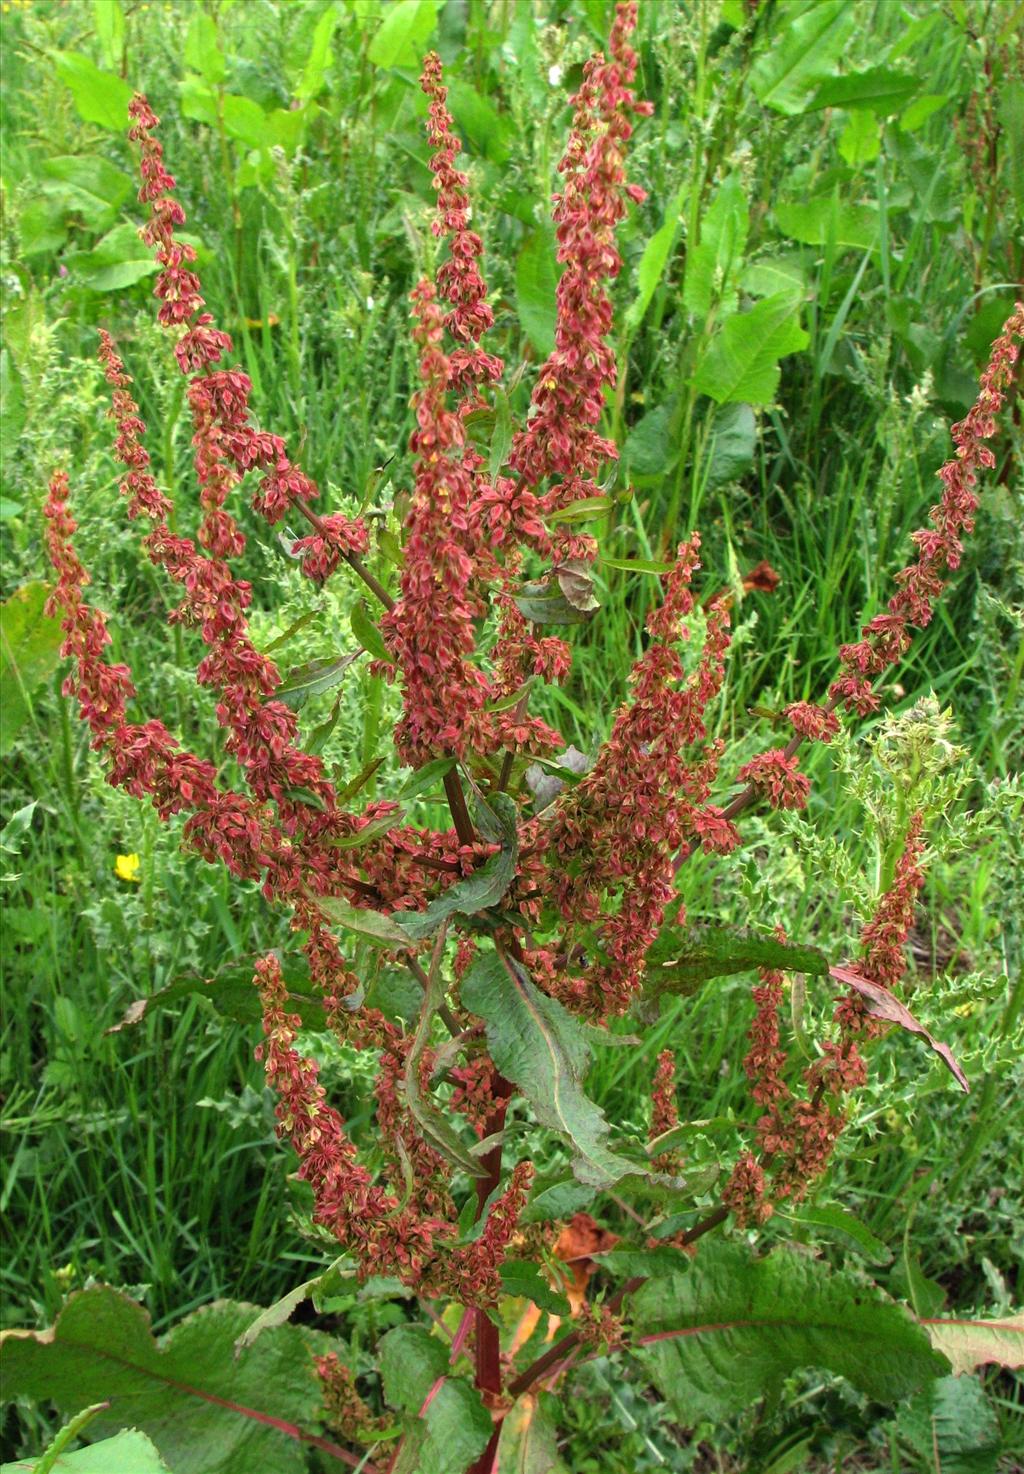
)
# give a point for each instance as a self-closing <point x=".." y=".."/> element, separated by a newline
<point x="147" y="1157"/>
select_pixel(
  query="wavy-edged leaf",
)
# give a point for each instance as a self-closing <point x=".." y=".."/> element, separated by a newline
<point x="952" y="1427"/>
<point x="731" y="1329"/>
<point x="974" y="1343"/>
<point x="880" y="1003"/>
<point x="29" y="651"/>
<point x="680" y="959"/>
<point x="207" y="1412"/>
<point x="485" y="887"/>
<point x="742" y="361"/>
<point x="537" y="1045"/>
<point x="801" y="54"/>
<point x="447" y="1424"/>
<point x="831" y="1222"/>
<point x="882" y="90"/>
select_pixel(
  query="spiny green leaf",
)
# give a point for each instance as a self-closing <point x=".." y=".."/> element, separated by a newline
<point x="731" y="1329"/>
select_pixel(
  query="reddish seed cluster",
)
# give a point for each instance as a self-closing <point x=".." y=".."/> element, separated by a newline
<point x="645" y="798"/>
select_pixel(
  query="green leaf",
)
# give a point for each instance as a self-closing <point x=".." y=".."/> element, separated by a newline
<point x="952" y="1427"/>
<point x="455" y="1427"/>
<point x="99" y="97"/>
<point x="730" y="1330"/>
<point x="488" y="131"/>
<point x="88" y="185"/>
<point x="880" y="89"/>
<point x="41" y="227"/>
<point x="800" y="54"/>
<point x="383" y="824"/>
<point x="974" y="1343"/>
<point x="682" y="959"/>
<point x="558" y="1200"/>
<point x="742" y="361"/>
<point x="525" y="1279"/>
<point x="198" y="101"/>
<point x="824" y="221"/>
<point x="830" y="1222"/>
<point x="730" y="447"/>
<point x="282" y="1310"/>
<point x="312" y="679"/>
<point x="501" y="439"/>
<point x="771" y="276"/>
<point x="30" y="644"/>
<point x="320" y="56"/>
<point x="12" y="408"/>
<point x="860" y="142"/>
<point x="425" y="778"/>
<point x="585" y="510"/>
<point x="713" y="264"/>
<point x="119" y="260"/>
<point x="246" y="120"/>
<point x="636" y="565"/>
<point x="1011" y="119"/>
<point x="656" y="255"/>
<point x="528" y="1442"/>
<point x="536" y="284"/>
<point x="658" y="1260"/>
<point x="128" y="1452"/>
<point x="108" y="22"/>
<point x="368" y="634"/>
<point x="473" y="893"/>
<point x="536" y="1044"/>
<point x="652" y="447"/>
<point x="436" y="1129"/>
<point x="921" y="109"/>
<point x="232" y="994"/>
<point x="402" y="36"/>
<point x="202" y="49"/>
<point x="544" y="603"/>
<point x="205" y="1411"/>
<point x="379" y="930"/>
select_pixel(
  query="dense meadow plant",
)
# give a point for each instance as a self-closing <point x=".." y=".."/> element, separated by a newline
<point x="547" y="907"/>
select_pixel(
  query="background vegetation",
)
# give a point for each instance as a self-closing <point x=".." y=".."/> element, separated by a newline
<point x="884" y="220"/>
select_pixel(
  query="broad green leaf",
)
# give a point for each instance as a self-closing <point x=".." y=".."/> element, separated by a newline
<point x="557" y="1200"/>
<point x="87" y="184"/>
<point x="730" y="1330"/>
<point x="232" y="994"/>
<point x="742" y="361"/>
<point x="41" y="226"/>
<point x="681" y="959"/>
<point x="402" y="36"/>
<point x="713" y="264"/>
<point x="454" y="1428"/>
<point x="473" y="893"/>
<point x="729" y="451"/>
<point x="832" y="1222"/>
<point x="379" y="930"/>
<point x="246" y="120"/>
<point x="119" y="260"/>
<point x="128" y="1452"/>
<point x="1011" y="119"/>
<point x="819" y="222"/>
<point x="525" y="1279"/>
<point x="652" y="447"/>
<point x="312" y="679"/>
<point x="528" y="1442"/>
<point x="657" y="1260"/>
<point x="198" y="100"/>
<point x="100" y="97"/>
<point x="881" y="89"/>
<point x="367" y="633"/>
<point x="952" y="1428"/>
<point x="771" y="276"/>
<point x="537" y="1045"/>
<point x="30" y="644"/>
<point x="488" y="131"/>
<point x="108" y="21"/>
<point x="544" y="603"/>
<point x="800" y="54"/>
<point x="656" y="255"/>
<point x="383" y="824"/>
<point x="320" y="57"/>
<point x="202" y="49"/>
<point x="860" y="142"/>
<point x="206" y="1411"/>
<point x="282" y="1310"/>
<point x="536" y="284"/>
<point x="974" y="1343"/>
<point x="12" y="408"/>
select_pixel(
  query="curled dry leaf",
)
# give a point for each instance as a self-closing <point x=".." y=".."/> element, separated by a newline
<point x="880" y="1003"/>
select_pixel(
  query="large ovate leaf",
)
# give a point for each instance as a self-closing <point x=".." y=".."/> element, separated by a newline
<point x="402" y="35"/>
<point x="951" y="1426"/>
<point x="975" y="1343"/>
<point x="119" y="260"/>
<point x="656" y="255"/>
<point x="817" y="222"/>
<point x="681" y="959"/>
<point x="447" y="1424"/>
<point x="537" y="1045"/>
<point x="800" y="54"/>
<point x="100" y="97"/>
<point x="128" y="1452"/>
<point x="742" y="362"/>
<point x="713" y="264"/>
<point x="29" y="650"/>
<point x="206" y="1411"/>
<point x="485" y="887"/>
<point x="729" y="1331"/>
<point x="729" y="449"/>
<point x="528" y="1443"/>
<point x="882" y="90"/>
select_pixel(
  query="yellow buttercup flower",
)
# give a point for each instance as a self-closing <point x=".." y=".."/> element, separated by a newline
<point x="126" y="867"/>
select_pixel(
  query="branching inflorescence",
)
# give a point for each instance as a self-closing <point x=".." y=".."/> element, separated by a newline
<point x="589" y="880"/>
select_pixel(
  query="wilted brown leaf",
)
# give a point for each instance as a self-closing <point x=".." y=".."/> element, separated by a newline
<point x="880" y="1003"/>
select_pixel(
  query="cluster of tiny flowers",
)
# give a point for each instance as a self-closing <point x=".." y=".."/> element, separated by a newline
<point x="796" y="1137"/>
<point x="939" y="547"/>
<point x="611" y="845"/>
<point x="568" y="400"/>
<point x="345" y="1410"/>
